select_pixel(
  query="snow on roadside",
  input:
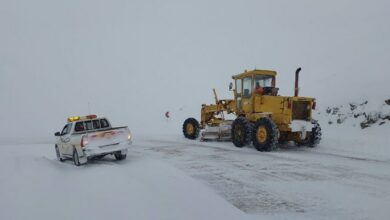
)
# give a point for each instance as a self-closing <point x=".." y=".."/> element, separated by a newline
<point x="326" y="182"/>
<point x="34" y="185"/>
<point x="349" y="139"/>
<point x="362" y="114"/>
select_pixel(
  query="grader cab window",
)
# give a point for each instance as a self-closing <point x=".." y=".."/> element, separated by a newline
<point x="265" y="85"/>
<point x="238" y="93"/>
<point x="247" y="87"/>
<point x="238" y="86"/>
<point x="263" y="81"/>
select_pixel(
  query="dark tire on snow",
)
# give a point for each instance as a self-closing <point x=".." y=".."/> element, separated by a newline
<point x="75" y="158"/>
<point x="100" y="156"/>
<point x="241" y="131"/>
<point x="300" y="143"/>
<point x="58" y="154"/>
<point x="315" y="135"/>
<point x="120" y="156"/>
<point x="313" y="138"/>
<point x="191" y="128"/>
<point x="265" y="135"/>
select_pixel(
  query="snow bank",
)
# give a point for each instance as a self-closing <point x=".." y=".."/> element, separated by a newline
<point x="363" y="114"/>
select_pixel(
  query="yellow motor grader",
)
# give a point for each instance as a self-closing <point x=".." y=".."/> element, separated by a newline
<point x="262" y="117"/>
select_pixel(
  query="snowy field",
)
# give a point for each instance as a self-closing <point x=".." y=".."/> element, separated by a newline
<point x="134" y="61"/>
<point x="169" y="177"/>
<point x="34" y="185"/>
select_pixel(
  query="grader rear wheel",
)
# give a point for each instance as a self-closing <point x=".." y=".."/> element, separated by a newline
<point x="315" y="135"/>
<point x="265" y="135"/>
<point x="313" y="138"/>
<point x="241" y="132"/>
<point x="191" y="128"/>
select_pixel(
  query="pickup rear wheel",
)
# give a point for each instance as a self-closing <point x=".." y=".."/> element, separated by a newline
<point x="76" y="160"/>
<point x="120" y="156"/>
<point x="58" y="154"/>
<point x="100" y="156"/>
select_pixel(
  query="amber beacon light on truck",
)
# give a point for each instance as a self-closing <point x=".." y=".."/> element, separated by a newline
<point x="78" y="118"/>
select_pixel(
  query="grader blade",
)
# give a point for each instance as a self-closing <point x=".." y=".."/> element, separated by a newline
<point x="221" y="132"/>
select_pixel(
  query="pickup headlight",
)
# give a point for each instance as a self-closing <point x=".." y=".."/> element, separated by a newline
<point x="129" y="137"/>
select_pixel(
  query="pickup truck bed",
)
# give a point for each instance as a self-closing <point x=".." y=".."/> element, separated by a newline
<point x="89" y="137"/>
<point x="106" y="141"/>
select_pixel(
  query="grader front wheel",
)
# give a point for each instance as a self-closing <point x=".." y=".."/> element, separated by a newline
<point x="191" y="128"/>
<point x="265" y="135"/>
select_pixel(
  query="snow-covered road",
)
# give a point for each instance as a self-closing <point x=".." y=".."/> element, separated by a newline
<point x="34" y="185"/>
<point x="169" y="177"/>
<point x="328" y="182"/>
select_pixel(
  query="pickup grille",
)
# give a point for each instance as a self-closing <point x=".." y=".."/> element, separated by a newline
<point x="301" y="110"/>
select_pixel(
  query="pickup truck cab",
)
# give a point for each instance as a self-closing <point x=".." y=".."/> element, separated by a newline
<point x="88" y="137"/>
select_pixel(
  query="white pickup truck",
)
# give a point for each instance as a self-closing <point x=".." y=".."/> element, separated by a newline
<point x="89" y="137"/>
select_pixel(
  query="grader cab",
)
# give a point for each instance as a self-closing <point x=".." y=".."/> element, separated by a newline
<point x="262" y="116"/>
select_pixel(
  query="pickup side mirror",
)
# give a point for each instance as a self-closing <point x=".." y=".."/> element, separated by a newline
<point x="57" y="134"/>
<point x="230" y="86"/>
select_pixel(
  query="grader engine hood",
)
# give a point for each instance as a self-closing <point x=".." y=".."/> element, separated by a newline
<point x="301" y="116"/>
<point x="302" y="108"/>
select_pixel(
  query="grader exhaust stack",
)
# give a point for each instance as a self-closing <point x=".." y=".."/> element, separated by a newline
<point x="296" y="90"/>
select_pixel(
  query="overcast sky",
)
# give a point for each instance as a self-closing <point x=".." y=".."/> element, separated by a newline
<point x="134" y="60"/>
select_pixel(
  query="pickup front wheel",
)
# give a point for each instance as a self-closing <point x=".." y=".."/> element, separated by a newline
<point x="76" y="159"/>
<point x="120" y="156"/>
<point x="58" y="154"/>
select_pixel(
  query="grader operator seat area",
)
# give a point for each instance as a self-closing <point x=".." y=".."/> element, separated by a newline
<point x="257" y="82"/>
<point x="265" y="85"/>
